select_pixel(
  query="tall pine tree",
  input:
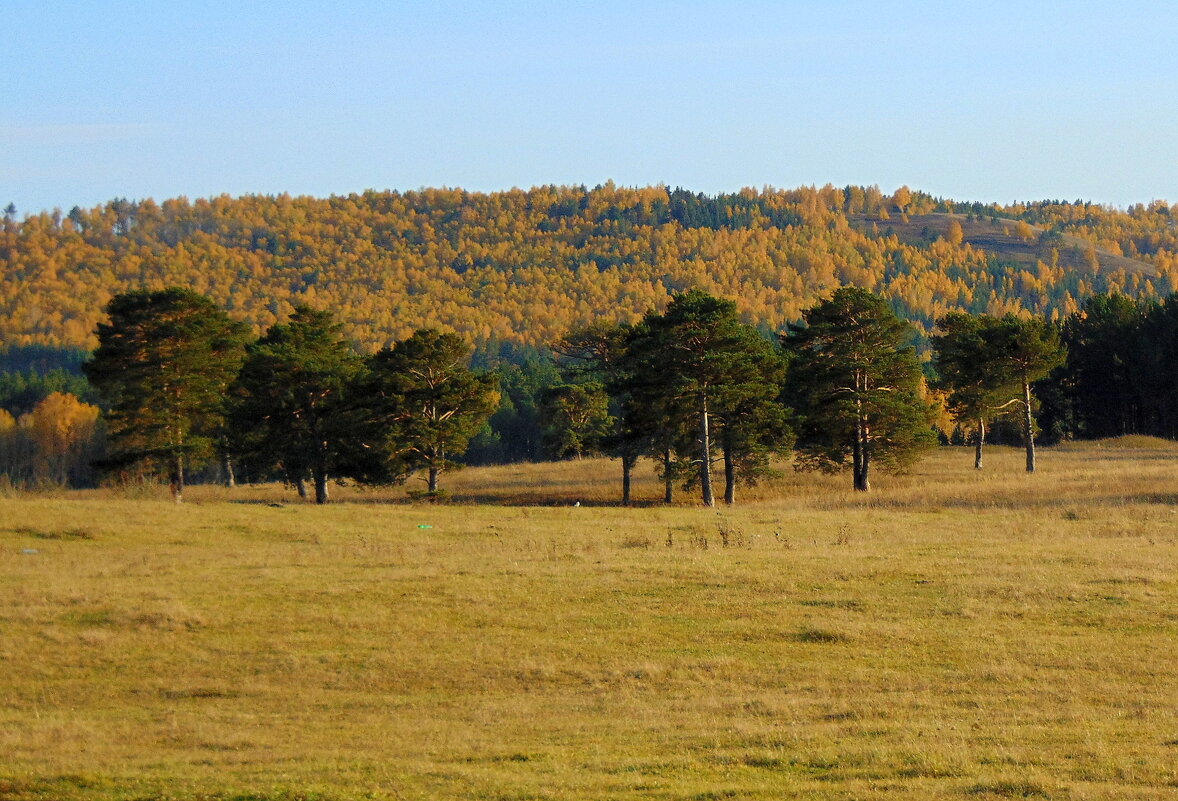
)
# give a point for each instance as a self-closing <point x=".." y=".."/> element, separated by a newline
<point x="422" y="404"/>
<point x="289" y="411"/>
<point x="856" y="383"/>
<point x="966" y="377"/>
<point x="162" y="366"/>
<point x="696" y="365"/>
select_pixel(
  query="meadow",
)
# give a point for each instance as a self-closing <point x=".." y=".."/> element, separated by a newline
<point x="953" y="634"/>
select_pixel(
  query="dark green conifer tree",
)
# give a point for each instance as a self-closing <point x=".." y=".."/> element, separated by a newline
<point x="161" y="368"/>
<point x="855" y="381"/>
<point x="596" y="354"/>
<point x="696" y="364"/>
<point x="289" y="408"/>
<point x="965" y="375"/>
<point x="576" y="419"/>
<point x="1105" y="375"/>
<point x="1019" y="352"/>
<point x="422" y="404"/>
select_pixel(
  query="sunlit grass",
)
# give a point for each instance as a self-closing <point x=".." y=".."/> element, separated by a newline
<point x="951" y="635"/>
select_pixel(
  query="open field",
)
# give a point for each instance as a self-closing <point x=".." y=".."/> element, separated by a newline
<point x="953" y="635"/>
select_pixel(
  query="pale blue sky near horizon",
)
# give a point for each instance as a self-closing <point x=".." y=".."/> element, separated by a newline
<point x="996" y="101"/>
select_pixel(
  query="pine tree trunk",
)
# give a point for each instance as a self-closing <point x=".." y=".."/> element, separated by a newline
<point x="301" y="486"/>
<point x="864" y="484"/>
<point x="859" y="449"/>
<point x="668" y="478"/>
<point x="856" y="458"/>
<point x="230" y="477"/>
<point x="705" y="450"/>
<point x="729" y="477"/>
<point x="981" y="440"/>
<point x="176" y="479"/>
<point x="320" y="477"/>
<point x="1028" y="427"/>
<point x="433" y="479"/>
<point x="627" y="478"/>
<point x="860" y="458"/>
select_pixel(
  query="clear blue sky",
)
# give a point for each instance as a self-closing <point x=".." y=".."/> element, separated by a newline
<point x="971" y="100"/>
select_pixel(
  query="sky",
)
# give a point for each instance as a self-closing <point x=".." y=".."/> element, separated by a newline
<point x="992" y="101"/>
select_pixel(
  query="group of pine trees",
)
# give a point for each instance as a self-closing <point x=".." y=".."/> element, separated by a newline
<point x="690" y="386"/>
<point x="693" y="387"/>
<point x="1119" y="377"/>
<point x="182" y="385"/>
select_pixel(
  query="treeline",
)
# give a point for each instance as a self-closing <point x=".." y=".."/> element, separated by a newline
<point x="1120" y="376"/>
<point x="523" y="267"/>
<point x="692" y="388"/>
<point x="182" y="384"/>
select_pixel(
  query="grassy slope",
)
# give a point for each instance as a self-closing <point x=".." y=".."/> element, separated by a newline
<point x="954" y="635"/>
<point x="1000" y="239"/>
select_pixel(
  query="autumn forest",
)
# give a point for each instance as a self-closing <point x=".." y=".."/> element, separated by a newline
<point x="538" y="284"/>
<point x="525" y="266"/>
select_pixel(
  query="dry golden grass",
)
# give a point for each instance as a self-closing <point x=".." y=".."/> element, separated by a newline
<point x="954" y="635"/>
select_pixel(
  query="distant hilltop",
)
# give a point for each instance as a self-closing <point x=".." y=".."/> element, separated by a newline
<point x="523" y="266"/>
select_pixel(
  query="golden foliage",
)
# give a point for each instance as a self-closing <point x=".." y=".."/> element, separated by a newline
<point x="525" y="266"/>
<point x="52" y="444"/>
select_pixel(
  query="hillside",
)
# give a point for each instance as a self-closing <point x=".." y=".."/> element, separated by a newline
<point x="524" y="266"/>
<point x="1000" y="238"/>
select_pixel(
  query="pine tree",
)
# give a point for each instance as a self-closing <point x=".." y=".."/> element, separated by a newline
<point x="1019" y="353"/>
<point x="989" y="364"/>
<point x="1158" y="353"/>
<point x="754" y="425"/>
<point x="597" y="354"/>
<point x="695" y="364"/>
<point x="1104" y="366"/>
<point x="576" y="418"/>
<point x="425" y="404"/>
<point x="964" y="373"/>
<point x="162" y="366"/>
<point x="855" y="382"/>
<point x="290" y="401"/>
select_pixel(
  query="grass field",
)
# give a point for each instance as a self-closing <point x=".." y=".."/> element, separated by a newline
<point x="953" y="635"/>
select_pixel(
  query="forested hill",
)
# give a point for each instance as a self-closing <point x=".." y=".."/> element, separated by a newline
<point x="524" y="266"/>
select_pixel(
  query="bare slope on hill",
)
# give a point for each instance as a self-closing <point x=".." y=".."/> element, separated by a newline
<point x="1000" y="237"/>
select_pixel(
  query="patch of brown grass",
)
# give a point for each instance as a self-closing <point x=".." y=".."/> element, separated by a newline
<point x="952" y="634"/>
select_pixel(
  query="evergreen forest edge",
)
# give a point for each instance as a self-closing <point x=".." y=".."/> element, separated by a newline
<point x="621" y="390"/>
